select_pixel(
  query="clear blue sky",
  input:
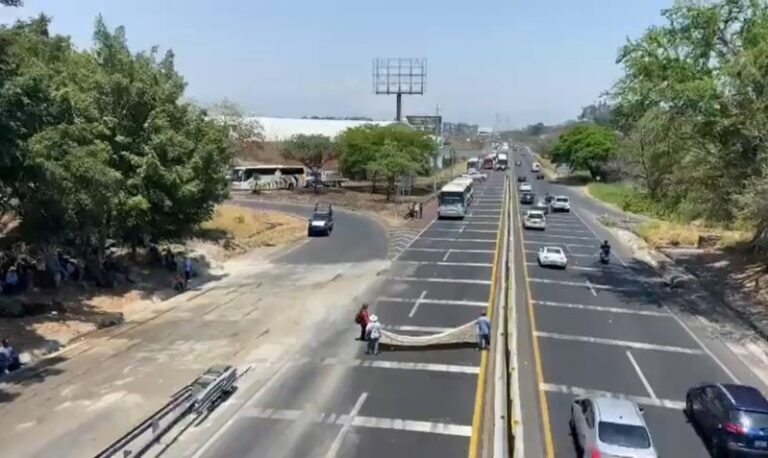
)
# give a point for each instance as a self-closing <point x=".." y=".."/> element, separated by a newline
<point x="527" y="60"/>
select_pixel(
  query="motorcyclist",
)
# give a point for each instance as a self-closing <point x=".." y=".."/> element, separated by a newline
<point x="605" y="248"/>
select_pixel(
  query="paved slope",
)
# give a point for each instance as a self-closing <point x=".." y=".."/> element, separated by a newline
<point x="600" y="329"/>
<point x="355" y="238"/>
<point x="333" y="400"/>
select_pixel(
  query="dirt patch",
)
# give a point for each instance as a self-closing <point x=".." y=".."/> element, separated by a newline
<point x="41" y="320"/>
<point x="664" y="234"/>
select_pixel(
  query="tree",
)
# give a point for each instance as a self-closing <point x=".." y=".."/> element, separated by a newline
<point x="392" y="162"/>
<point x="585" y="147"/>
<point x="246" y="135"/>
<point x="11" y="3"/>
<point x="312" y="151"/>
<point x="358" y="147"/>
<point x="600" y="114"/>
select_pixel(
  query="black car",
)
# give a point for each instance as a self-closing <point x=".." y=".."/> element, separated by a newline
<point x="521" y="178"/>
<point x="321" y="222"/>
<point x="527" y="198"/>
<point x="731" y="419"/>
<point x="539" y="176"/>
<point x="548" y="199"/>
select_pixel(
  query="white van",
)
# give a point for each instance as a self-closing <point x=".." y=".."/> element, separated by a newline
<point x="535" y="167"/>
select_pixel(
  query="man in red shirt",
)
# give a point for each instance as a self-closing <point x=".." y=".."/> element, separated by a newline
<point x="362" y="319"/>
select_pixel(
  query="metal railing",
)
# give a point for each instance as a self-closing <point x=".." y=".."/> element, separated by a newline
<point x="194" y="399"/>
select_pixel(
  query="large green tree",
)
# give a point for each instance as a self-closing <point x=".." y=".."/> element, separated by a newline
<point x="96" y="144"/>
<point x="312" y="151"/>
<point x="392" y="162"/>
<point x="585" y="147"/>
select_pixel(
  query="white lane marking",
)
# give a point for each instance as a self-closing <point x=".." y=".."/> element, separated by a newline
<point x="334" y="450"/>
<point x="568" y="247"/>
<point x="447" y="253"/>
<point x="470" y="223"/>
<point x="463" y="230"/>
<point x="589" y="269"/>
<point x="578" y="255"/>
<point x="640" y="374"/>
<point x="555" y="236"/>
<point x="448" y="263"/>
<point x="363" y="421"/>
<point x="434" y="301"/>
<point x="591" y="287"/>
<point x="587" y="284"/>
<point x="539" y="242"/>
<point x="620" y="343"/>
<point x="408" y="328"/>
<point x="444" y="239"/>
<point x="408" y="246"/>
<point x="442" y="280"/>
<point x="417" y="303"/>
<point x="452" y="250"/>
<point x="409" y="366"/>
<point x="558" y="228"/>
<point x="583" y="392"/>
<point x="598" y="308"/>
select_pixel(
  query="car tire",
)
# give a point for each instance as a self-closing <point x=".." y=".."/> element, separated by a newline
<point x="714" y="447"/>
<point x="688" y="410"/>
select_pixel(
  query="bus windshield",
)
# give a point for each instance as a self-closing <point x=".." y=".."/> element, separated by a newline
<point x="451" y="198"/>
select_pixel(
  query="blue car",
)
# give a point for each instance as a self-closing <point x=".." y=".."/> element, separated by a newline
<point x="731" y="419"/>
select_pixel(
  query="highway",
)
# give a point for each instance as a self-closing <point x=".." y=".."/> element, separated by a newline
<point x="599" y="329"/>
<point x="332" y="400"/>
<point x="355" y="237"/>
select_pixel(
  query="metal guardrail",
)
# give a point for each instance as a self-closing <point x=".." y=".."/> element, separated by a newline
<point x="197" y="398"/>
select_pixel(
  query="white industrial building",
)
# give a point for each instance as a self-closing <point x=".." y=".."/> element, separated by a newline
<point x="280" y="129"/>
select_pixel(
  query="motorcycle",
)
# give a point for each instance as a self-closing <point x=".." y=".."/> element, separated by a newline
<point x="605" y="256"/>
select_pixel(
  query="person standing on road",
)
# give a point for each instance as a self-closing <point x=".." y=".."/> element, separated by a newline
<point x="373" y="333"/>
<point x="362" y="319"/>
<point x="187" y="271"/>
<point x="483" y="332"/>
<point x="421" y="210"/>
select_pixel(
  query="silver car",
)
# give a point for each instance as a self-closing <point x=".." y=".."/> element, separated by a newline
<point x="609" y="427"/>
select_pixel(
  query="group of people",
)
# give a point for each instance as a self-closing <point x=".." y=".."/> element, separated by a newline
<point x="370" y="330"/>
<point x="416" y="210"/>
<point x="18" y="273"/>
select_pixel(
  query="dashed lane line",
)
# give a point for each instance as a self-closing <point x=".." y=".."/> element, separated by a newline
<point x="598" y="308"/>
<point x="620" y="343"/>
<point x="583" y="392"/>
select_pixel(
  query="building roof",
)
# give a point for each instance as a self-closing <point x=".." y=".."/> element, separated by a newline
<point x="278" y="129"/>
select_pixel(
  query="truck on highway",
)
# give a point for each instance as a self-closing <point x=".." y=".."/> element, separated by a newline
<point x="488" y="162"/>
<point x="502" y="162"/>
<point x="473" y="163"/>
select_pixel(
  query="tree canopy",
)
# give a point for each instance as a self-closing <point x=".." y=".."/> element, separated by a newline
<point x="96" y="144"/>
<point x="585" y="147"/>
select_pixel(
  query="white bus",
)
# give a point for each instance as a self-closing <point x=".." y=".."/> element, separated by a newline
<point x="455" y="198"/>
<point x="265" y="177"/>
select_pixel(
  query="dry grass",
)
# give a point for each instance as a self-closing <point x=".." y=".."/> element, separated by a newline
<point x="254" y="228"/>
<point x="664" y="234"/>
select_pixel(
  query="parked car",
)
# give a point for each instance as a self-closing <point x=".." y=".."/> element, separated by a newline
<point x="607" y="426"/>
<point x="731" y="419"/>
<point x="534" y="219"/>
<point x="552" y="256"/>
<point x="527" y="198"/>
<point x="561" y="204"/>
<point x="321" y="221"/>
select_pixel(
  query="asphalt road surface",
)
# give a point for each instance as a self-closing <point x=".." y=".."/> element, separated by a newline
<point x="598" y="329"/>
<point x="355" y="238"/>
<point x="335" y="401"/>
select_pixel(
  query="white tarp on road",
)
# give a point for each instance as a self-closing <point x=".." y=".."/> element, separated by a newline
<point x="466" y="333"/>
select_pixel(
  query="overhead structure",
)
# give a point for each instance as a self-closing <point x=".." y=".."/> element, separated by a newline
<point x="398" y="76"/>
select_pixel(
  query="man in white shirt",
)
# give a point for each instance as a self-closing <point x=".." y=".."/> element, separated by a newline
<point x="373" y="334"/>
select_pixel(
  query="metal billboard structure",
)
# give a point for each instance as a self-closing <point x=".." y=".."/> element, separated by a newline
<point x="398" y="76"/>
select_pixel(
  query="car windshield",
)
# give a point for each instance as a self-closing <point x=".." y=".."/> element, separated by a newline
<point x="535" y="216"/>
<point x="750" y="420"/>
<point x="553" y="251"/>
<point x="320" y="216"/>
<point x="630" y="436"/>
<point x="561" y="199"/>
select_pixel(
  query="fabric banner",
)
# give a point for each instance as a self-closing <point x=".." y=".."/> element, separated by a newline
<point x="466" y="333"/>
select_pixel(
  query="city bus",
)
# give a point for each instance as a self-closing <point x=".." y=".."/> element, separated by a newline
<point x="455" y="198"/>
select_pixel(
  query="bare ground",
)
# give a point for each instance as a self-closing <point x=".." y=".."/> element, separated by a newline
<point x="77" y="309"/>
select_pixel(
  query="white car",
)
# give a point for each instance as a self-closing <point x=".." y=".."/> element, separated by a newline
<point x="475" y="175"/>
<point x="534" y="219"/>
<point x="525" y="187"/>
<point x="606" y="426"/>
<point x="561" y="204"/>
<point x="552" y="256"/>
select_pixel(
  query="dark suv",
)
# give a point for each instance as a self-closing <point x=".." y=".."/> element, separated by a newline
<point x="527" y="198"/>
<point x="731" y="419"/>
<point x="321" y="221"/>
